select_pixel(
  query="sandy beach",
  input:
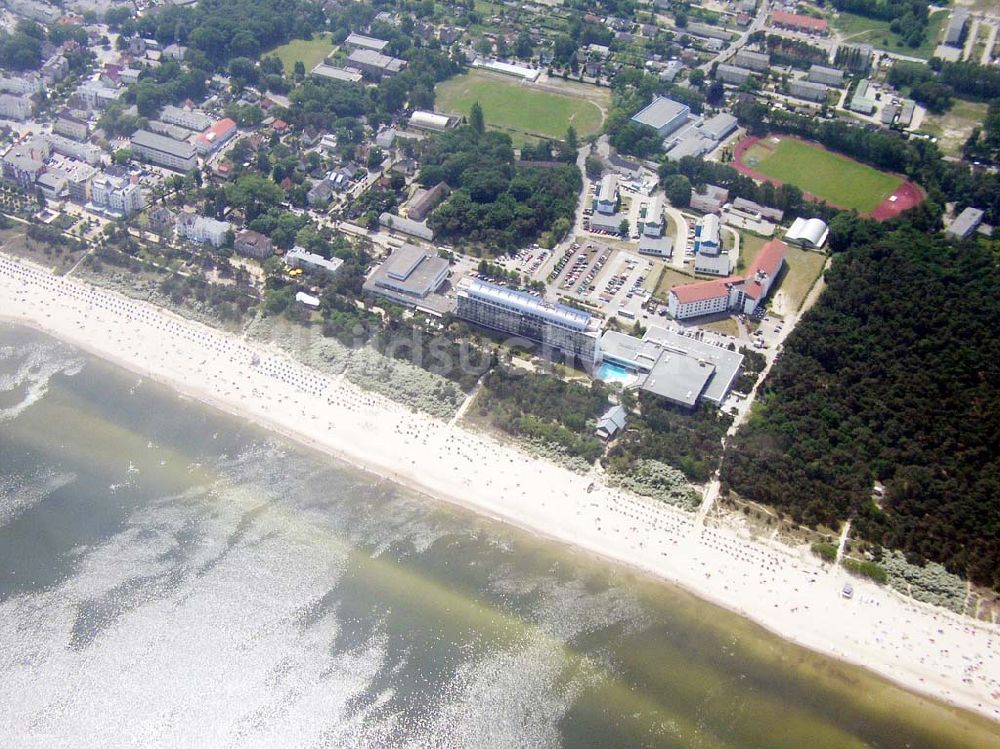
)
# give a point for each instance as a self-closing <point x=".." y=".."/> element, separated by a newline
<point x="786" y="590"/>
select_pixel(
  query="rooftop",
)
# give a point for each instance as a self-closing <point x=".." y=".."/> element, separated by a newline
<point x="660" y="112"/>
<point x="162" y="143"/>
<point x="519" y="301"/>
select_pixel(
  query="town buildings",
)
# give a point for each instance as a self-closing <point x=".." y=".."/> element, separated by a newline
<point x="253" y="244"/>
<point x="201" y="229"/>
<point x="115" y="196"/>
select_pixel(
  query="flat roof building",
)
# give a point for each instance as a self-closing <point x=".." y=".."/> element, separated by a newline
<point x="680" y="369"/>
<point x="663" y="115"/>
<point x="755" y="61"/>
<point x="299" y="257"/>
<point x="360" y="41"/>
<point x="731" y="74"/>
<point x="570" y="331"/>
<point x="164" y="151"/>
<point x="409" y="275"/>
<point x="719" y="127"/>
<point x="408" y="226"/>
<point x="192" y="119"/>
<point x="956" y="27"/>
<point x="826" y="76"/>
<point x="966" y="223"/>
<point x="807" y="90"/>
<point x="374" y="63"/>
<point x="333" y="73"/>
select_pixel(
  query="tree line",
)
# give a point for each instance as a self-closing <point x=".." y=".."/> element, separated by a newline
<point x="893" y="376"/>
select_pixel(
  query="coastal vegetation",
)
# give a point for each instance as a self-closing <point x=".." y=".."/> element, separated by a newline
<point x="893" y="377"/>
<point x="688" y="440"/>
<point x="544" y="409"/>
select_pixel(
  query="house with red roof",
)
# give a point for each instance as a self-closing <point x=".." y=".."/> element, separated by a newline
<point x="798" y="22"/>
<point x="742" y="294"/>
<point x="215" y="136"/>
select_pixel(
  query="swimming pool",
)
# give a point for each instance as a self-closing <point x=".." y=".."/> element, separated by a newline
<point x="609" y="372"/>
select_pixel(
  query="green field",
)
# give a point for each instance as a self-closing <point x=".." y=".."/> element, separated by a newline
<point x="828" y="176"/>
<point x="509" y="105"/>
<point x="861" y="30"/>
<point x="310" y="53"/>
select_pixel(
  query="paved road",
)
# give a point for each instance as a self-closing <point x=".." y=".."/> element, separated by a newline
<point x="756" y="25"/>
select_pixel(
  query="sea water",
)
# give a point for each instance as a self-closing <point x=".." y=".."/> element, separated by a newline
<point x="173" y="576"/>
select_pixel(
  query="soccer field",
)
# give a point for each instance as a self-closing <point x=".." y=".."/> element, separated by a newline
<point x="509" y="105"/>
<point x="310" y="53"/>
<point x="828" y="176"/>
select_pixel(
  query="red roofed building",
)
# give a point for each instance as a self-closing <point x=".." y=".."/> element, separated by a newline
<point x="737" y="293"/>
<point x="798" y="22"/>
<point x="215" y="137"/>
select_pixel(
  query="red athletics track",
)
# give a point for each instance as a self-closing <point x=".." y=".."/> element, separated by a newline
<point x="906" y="196"/>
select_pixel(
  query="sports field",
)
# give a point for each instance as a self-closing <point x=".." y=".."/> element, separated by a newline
<point x="511" y="105"/>
<point x="827" y="176"/>
<point x="310" y="53"/>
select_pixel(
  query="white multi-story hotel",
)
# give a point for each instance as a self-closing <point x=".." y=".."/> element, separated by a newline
<point x="116" y="196"/>
<point x="571" y="331"/>
<point x="734" y="293"/>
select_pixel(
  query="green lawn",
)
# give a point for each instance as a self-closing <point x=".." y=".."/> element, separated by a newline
<point x="310" y="53"/>
<point x="508" y="105"/>
<point x="828" y="176"/>
<point x="861" y="30"/>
